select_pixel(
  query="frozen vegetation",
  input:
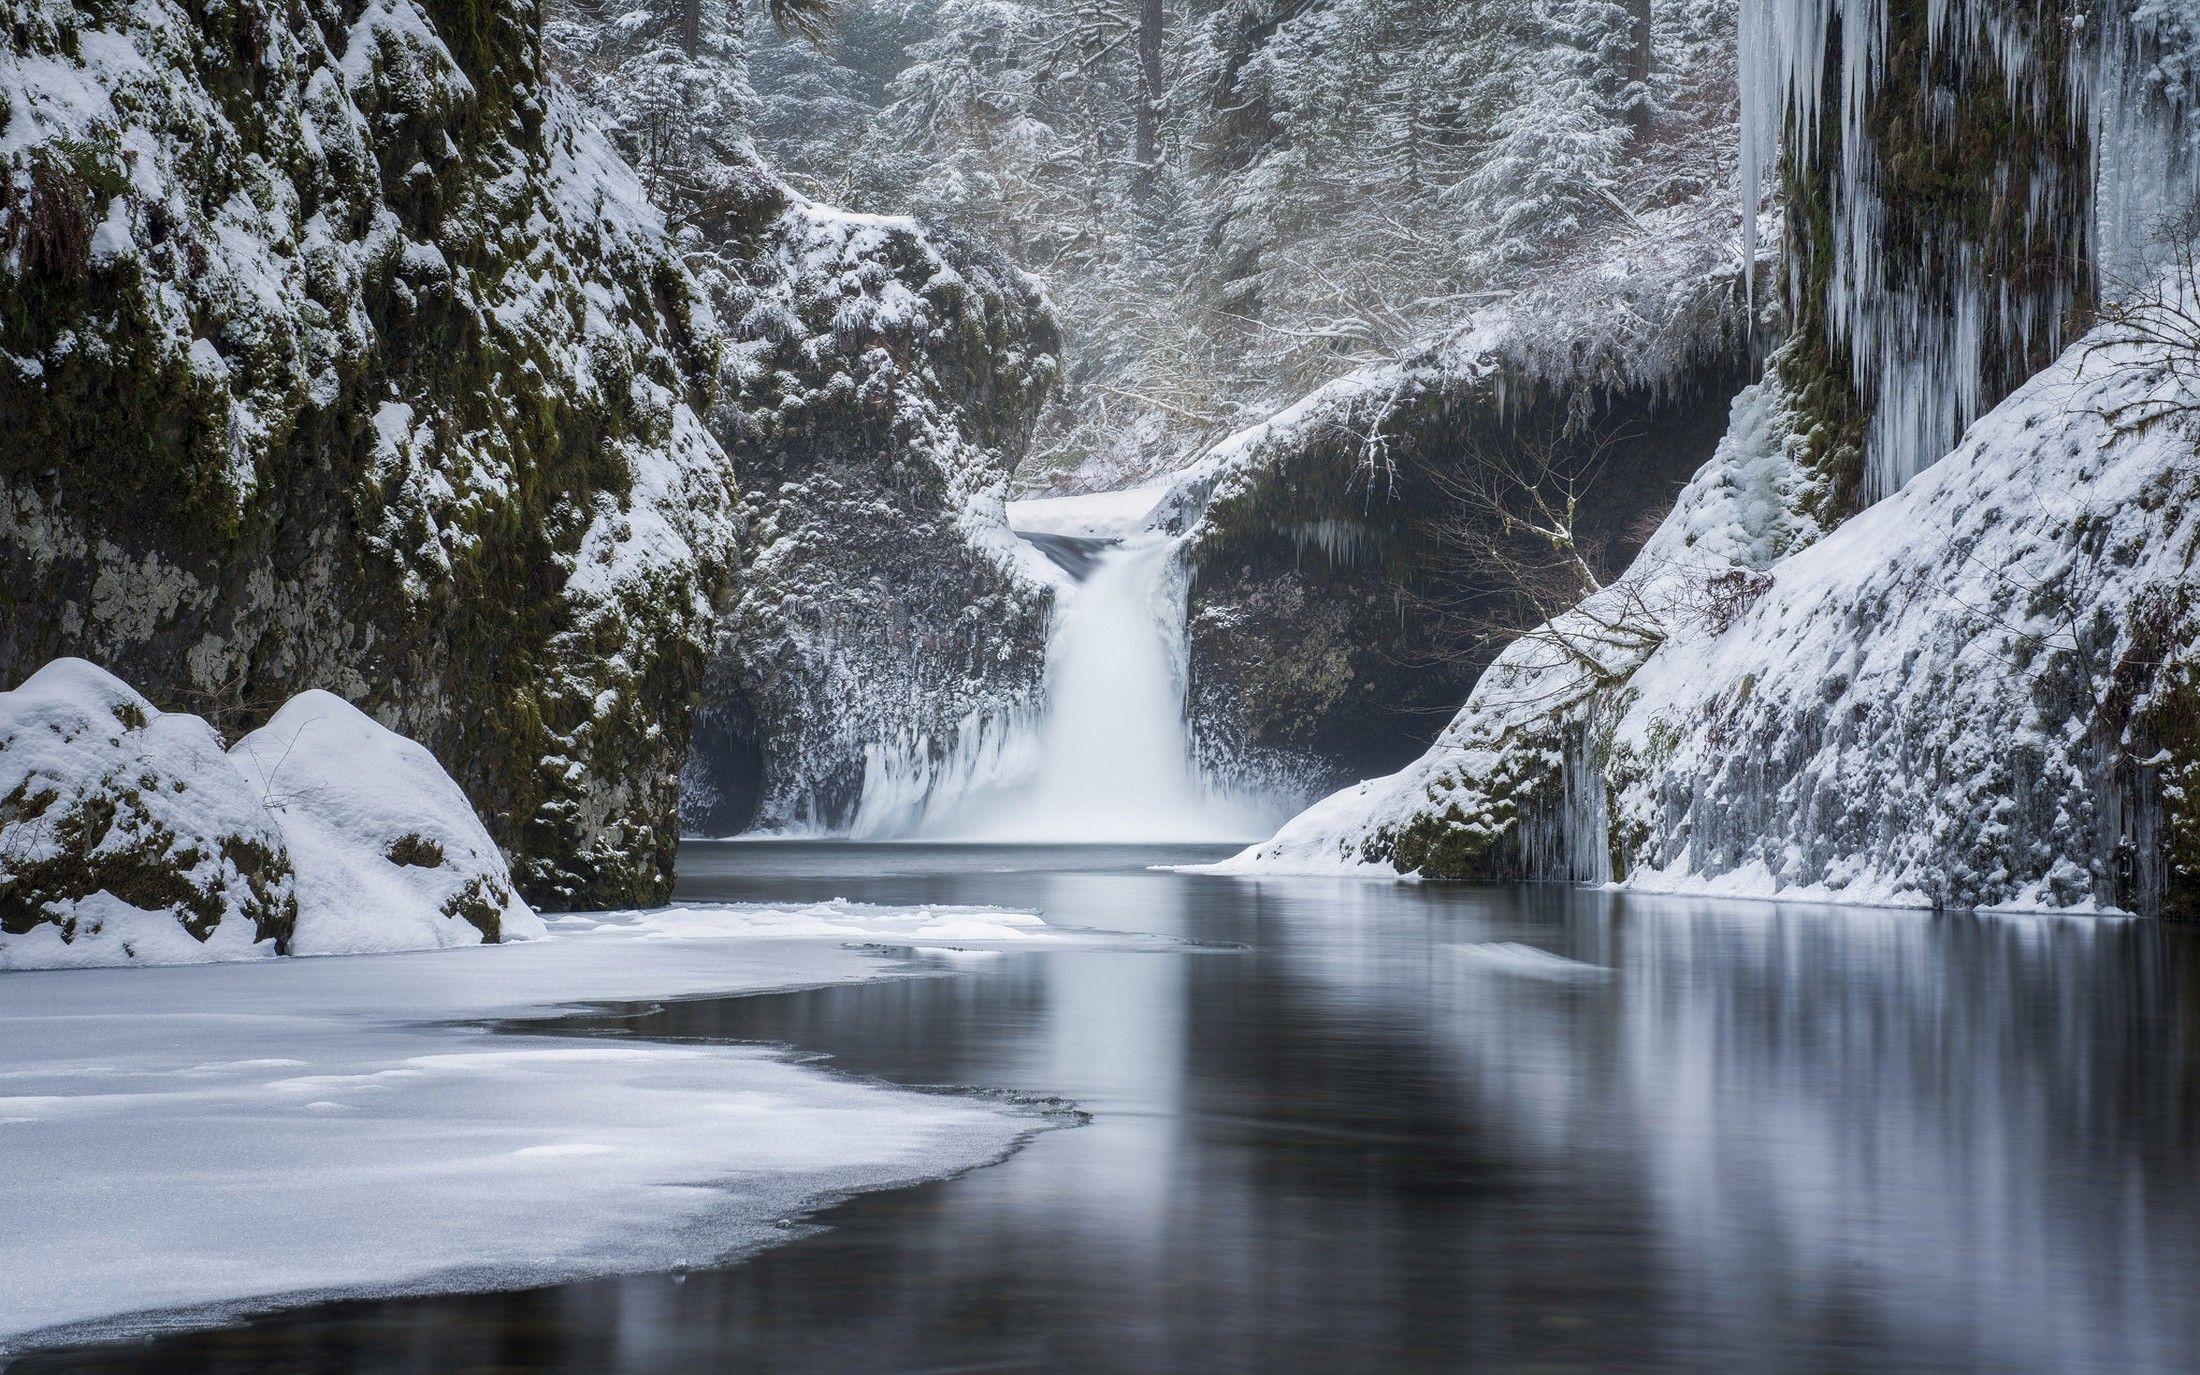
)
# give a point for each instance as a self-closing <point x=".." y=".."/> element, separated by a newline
<point x="301" y="1128"/>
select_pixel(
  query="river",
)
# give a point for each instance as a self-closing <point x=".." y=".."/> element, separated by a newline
<point x="1394" y="1127"/>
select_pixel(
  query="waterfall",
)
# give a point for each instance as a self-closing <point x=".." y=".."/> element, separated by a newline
<point x="1112" y="757"/>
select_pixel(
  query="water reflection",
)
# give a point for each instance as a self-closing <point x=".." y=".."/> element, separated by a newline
<point x="1375" y="1139"/>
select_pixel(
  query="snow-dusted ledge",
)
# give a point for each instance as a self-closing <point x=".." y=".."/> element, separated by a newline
<point x="305" y="1128"/>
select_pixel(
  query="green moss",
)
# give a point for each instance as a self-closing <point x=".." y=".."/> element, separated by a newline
<point x="416" y="852"/>
<point x="107" y="842"/>
<point x="1957" y="155"/>
<point x="480" y="904"/>
<point x="1448" y="845"/>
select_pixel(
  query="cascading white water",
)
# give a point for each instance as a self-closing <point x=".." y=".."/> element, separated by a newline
<point x="1113" y="761"/>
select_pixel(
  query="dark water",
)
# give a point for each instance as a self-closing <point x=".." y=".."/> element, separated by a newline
<point x="1771" y="1138"/>
<point x="1075" y="555"/>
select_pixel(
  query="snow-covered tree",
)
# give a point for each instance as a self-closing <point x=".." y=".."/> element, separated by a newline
<point x="669" y="80"/>
<point x="1234" y="200"/>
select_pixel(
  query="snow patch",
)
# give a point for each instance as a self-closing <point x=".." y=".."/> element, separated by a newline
<point x="321" y="1127"/>
<point x="1090" y="515"/>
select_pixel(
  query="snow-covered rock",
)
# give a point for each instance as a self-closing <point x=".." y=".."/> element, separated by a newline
<point x="389" y="854"/>
<point x="126" y="836"/>
<point x="342" y="351"/>
<point x="886" y="625"/>
<point x="1980" y="692"/>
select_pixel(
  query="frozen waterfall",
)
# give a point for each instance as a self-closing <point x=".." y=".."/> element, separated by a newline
<point x="1110" y="759"/>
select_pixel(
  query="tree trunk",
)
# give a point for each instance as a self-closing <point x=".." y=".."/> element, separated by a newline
<point x="1148" y="147"/>
<point x="1638" y="63"/>
<point x="691" y="27"/>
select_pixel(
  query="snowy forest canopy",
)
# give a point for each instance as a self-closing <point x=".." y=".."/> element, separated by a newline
<point x="1229" y="203"/>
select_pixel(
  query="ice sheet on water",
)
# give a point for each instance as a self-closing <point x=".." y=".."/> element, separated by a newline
<point x="300" y="1127"/>
<point x="1526" y="961"/>
<point x="835" y="920"/>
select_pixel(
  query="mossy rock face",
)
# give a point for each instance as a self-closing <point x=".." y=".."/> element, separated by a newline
<point x="887" y="384"/>
<point x="1322" y="649"/>
<point x="374" y="374"/>
<point x="1449" y="845"/>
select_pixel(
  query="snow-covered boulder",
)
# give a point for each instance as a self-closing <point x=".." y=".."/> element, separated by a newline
<point x="129" y="836"/>
<point x="126" y="836"/>
<point x="388" y="852"/>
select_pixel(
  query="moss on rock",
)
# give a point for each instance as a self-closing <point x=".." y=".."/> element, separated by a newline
<point x="373" y="371"/>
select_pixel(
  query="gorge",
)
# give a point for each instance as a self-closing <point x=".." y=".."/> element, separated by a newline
<point x="1408" y="683"/>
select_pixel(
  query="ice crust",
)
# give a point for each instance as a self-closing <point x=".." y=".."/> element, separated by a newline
<point x="242" y="1135"/>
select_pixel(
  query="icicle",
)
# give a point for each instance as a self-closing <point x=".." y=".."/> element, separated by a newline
<point x="1341" y="542"/>
<point x="2146" y="144"/>
<point x="1919" y="335"/>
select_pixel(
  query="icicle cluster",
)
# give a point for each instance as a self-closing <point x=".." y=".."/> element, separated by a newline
<point x="1923" y="327"/>
<point x="2141" y="73"/>
<point x="1930" y="324"/>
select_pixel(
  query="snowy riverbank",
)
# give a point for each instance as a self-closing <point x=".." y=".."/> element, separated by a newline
<point x="184" y="1143"/>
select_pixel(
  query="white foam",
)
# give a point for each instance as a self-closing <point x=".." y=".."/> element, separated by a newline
<point x="1113" y="759"/>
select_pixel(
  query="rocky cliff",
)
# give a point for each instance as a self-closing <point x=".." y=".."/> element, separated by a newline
<point x="884" y="620"/>
<point x="1976" y="693"/>
<point x="342" y="354"/>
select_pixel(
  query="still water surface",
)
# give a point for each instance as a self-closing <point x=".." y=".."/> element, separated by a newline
<point x="1378" y="1137"/>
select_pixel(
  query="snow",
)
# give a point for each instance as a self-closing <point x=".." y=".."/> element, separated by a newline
<point x="298" y="1128"/>
<point x="1091" y="515"/>
<point x="322" y="833"/>
<point x="349" y="794"/>
<point x="105" y="931"/>
<point x="1313" y="844"/>
<point x="1897" y="715"/>
<point x="100" y="785"/>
